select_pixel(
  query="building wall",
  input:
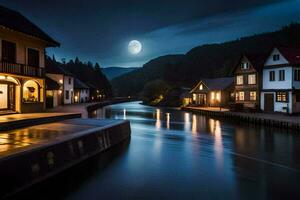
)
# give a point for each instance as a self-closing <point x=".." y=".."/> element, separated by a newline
<point x="278" y="106"/>
<point x="286" y="84"/>
<point x="68" y="87"/>
<point x="270" y="60"/>
<point x="296" y="84"/>
<point x="23" y="42"/>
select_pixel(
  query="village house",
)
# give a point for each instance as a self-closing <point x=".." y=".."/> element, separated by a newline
<point x="66" y="81"/>
<point x="281" y="81"/>
<point x="216" y="92"/>
<point x="53" y="93"/>
<point x="22" y="66"/>
<point x="81" y="91"/>
<point x="247" y="85"/>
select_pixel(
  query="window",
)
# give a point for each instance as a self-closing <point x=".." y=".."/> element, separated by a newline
<point x="218" y="96"/>
<point x="194" y="97"/>
<point x="213" y="96"/>
<point x="276" y="57"/>
<point x="297" y="75"/>
<point x="281" y="96"/>
<point x="240" y="96"/>
<point x="201" y="87"/>
<point x="8" y="51"/>
<point x="253" y="96"/>
<point x="272" y="75"/>
<point x="281" y="75"/>
<point x="245" y="65"/>
<point x="67" y="94"/>
<point x="240" y="80"/>
<point x="251" y="79"/>
<point x="70" y="81"/>
<point x="30" y="92"/>
<point x="33" y="58"/>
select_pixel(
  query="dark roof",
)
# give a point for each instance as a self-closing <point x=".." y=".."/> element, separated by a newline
<point x="17" y="22"/>
<point x="78" y="84"/>
<point x="51" y="84"/>
<point x="56" y="69"/>
<point x="292" y="54"/>
<point x="216" y="83"/>
<point x="256" y="60"/>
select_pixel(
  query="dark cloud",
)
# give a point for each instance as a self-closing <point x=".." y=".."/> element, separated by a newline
<point x="100" y="30"/>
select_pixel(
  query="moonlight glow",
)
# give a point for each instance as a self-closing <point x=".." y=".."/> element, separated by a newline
<point x="134" y="47"/>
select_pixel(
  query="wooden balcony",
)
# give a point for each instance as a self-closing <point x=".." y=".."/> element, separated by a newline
<point x="20" y="69"/>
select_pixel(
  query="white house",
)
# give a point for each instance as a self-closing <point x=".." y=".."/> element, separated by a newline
<point x="281" y="81"/>
<point x="65" y="80"/>
<point x="81" y="91"/>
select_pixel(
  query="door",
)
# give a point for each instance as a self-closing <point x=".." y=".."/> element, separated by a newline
<point x="3" y="96"/>
<point x="269" y="102"/>
<point x="202" y="99"/>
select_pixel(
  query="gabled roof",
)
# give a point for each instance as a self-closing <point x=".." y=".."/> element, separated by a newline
<point x="16" y="21"/>
<point x="216" y="83"/>
<point x="57" y="69"/>
<point x="257" y="60"/>
<point x="51" y="84"/>
<point x="78" y="84"/>
<point x="292" y="54"/>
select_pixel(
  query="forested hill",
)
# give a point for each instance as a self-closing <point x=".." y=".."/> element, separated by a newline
<point x="87" y="72"/>
<point x="214" y="60"/>
<point x="114" y="72"/>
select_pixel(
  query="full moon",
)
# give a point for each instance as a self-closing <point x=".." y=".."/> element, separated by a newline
<point x="134" y="47"/>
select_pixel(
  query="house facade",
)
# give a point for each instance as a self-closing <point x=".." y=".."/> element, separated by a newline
<point x="281" y="81"/>
<point x="65" y="80"/>
<point x="247" y="84"/>
<point x="53" y="93"/>
<point x="81" y="91"/>
<point x="216" y="92"/>
<point x="22" y="63"/>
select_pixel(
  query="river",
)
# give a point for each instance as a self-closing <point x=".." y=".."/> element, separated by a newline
<point x="178" y="155"/>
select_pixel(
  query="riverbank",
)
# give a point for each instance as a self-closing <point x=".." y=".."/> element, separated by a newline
<point x="85" y="108"/>
<point x="266" y="119"/>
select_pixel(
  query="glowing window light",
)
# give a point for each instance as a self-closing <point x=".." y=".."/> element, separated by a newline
<point x="212" y="96"/>
<point x="201" y="87"/>
<point x="218" y="96"/>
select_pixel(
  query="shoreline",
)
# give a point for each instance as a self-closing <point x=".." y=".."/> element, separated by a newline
<point x="263" y="119"/>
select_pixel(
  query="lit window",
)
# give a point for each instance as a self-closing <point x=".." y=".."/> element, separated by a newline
<point x="281" y="96"/>
<point x="218" y="96"/>
<point x="241" y="96"/>
<point x="30" y="92"/>
<point x="251" y="79"/>
<point x="194" y="97"/>
<point x="201" y="87"/>
<point x="253" y="96"/>
<point x="240" y="80"/>
<point x="212" y="96"/>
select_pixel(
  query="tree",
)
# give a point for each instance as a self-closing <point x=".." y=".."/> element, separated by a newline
<point x="155" y="90"/>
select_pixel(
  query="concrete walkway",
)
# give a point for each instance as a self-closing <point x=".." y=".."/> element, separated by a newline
<point x="77" y="108"/>
<point x="277" y="117"/>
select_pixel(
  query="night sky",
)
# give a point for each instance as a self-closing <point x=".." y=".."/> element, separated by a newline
<point x="100" y="31"/>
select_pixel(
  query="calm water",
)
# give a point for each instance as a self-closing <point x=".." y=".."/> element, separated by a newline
<point x="178" y="155"/>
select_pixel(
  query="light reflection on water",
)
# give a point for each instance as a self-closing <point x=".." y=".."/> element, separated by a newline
<point x="178" y="155"/>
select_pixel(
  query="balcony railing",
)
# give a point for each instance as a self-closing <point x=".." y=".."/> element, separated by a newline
<point x="20" y="69"/>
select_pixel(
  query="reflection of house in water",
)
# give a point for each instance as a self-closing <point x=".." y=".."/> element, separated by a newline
<point x="213" y="92"/>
